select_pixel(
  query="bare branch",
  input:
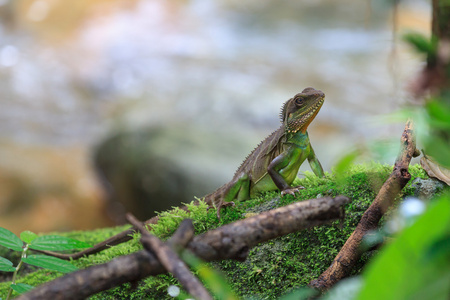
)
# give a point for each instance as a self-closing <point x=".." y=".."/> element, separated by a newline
<point x="236" y="239"/>
<point x="182" y="236"/>
<point x="171" y="262"/>
<point x="350" y="252"/>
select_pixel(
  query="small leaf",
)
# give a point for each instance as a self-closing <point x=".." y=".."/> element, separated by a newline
<point x="212" y="279"/>
<point x="438" y="114"/>
<point x="421" y="43"/>
<point x="28" y="236"/>
<point x="50" y="262"/>
<point x="57" y="243"/>
<point x="6" y="265"/>
<point x="344" y="163"/>
<point x="22" y="288"/>
<point x="10" y="240"/>
<point x="301" y="293"/>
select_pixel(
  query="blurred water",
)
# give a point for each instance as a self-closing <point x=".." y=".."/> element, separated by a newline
<point x="221" y="65"/>
<point x="198" y="61"/>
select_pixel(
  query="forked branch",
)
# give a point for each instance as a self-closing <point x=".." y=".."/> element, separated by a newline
<point x="350" y="252"/>
<point x="171" y="262"/>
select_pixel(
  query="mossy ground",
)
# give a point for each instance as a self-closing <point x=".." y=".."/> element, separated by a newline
<point x="272" y="269"/>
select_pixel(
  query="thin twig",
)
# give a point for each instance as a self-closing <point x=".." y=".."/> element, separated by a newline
<point x="117" y="239"/>
<point x="171" y="262"/>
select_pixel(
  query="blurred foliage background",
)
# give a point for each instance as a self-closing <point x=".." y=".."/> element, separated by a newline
<point x="94" y="92"/>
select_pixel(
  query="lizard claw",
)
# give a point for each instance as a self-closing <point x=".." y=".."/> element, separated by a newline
<point x="292" y="191"/>
<point x="223" y="204"/>
<point x="226" y="204"/>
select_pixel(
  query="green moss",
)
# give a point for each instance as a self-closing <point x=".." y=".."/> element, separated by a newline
<point x="278" y="266"/>
<point x="273" y="268"/>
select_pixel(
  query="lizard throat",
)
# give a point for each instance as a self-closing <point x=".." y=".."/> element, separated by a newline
<point x="302" y="123"/>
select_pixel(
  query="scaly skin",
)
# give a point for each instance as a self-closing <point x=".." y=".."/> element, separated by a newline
<point x="274" y="163"/>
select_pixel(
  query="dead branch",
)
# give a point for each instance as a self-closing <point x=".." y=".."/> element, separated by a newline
<point x="171" y="262"/>
<point x="229" y="241"/>
<point x="233" y="241"/>
<point x="350" y="252"/>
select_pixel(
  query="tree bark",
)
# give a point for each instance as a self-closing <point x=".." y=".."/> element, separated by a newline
<point x="229" y="241"/>
<point x="350" y="252"/>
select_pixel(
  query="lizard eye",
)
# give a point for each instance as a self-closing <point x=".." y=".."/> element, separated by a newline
<point x="299" y="101"/>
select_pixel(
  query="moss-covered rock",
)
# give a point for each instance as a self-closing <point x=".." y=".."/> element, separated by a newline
<point x="273" y="268"/>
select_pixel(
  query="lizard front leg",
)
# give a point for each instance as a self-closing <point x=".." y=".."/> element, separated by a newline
<point x="283" y="167"/>
<point x="314" y="163"/>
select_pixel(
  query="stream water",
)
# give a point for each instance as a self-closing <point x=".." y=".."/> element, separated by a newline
<point x="72" y="73"/>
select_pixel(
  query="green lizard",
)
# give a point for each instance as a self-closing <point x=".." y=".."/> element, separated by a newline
<point x="274" y="163"/>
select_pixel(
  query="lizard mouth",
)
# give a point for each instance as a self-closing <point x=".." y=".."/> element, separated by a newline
<point x="308" y="115"/>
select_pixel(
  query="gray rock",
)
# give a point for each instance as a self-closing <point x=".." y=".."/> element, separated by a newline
<point x="153" y="169"/>
<point x="426" y="188"/>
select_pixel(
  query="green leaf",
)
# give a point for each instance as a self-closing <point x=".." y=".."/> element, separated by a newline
<point x="438" y="113"/>
<point x="50" y="262"/>
<point x="212" y="279"/>
<point x="439" y="248"/>
<point x="28" y="236"/>
<point x="10" y="240"/>
<point x="438" y="149"/>
<point x="344" y="164"/>
<point x="421" y="43"/>
<point x="22" y="288"/>
<point x="301" y="293"/>
<point x="57" y="243"/>
<point x="6" y="265"/>
<point x="414" y="266"/>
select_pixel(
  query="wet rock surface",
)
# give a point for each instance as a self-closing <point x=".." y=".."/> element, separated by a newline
<point x="427" y="188"/>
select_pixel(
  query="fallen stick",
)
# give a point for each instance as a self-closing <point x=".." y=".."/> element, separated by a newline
<point x="171" y="262"/>
<point x="230" y="241"/>
<point x="350" y="252"/>
<point x="234" y="241"/>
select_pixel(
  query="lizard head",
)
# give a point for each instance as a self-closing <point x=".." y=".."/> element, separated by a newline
<point x="298" y="112"/>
